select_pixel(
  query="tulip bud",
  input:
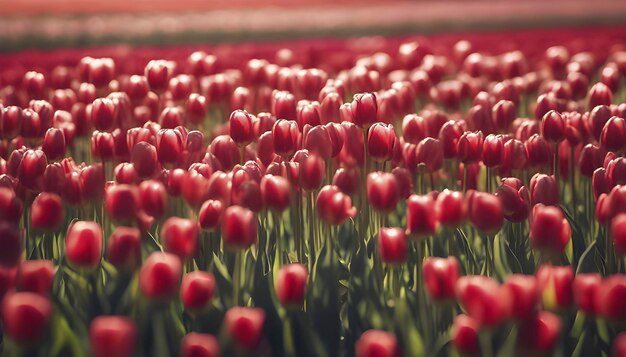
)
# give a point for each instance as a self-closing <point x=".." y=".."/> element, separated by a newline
<point x="199" y="345"/>
<point x="544" y="189"/>
<point x="451" y="208"/>
<point x="286" y="137"/>
<point x="493" y="150"/>
<point x="153" y="198"/>
<point x="590" y="159"/>
<point x="169" y="146"/>
<point x="484" y="300"/>
<point x="449" y="135"/>
<point x="158" y="73"/>
<point x="555" y="283"/>
<point x="239" y="228"/>
<point x="284" y="105"/>
<point x="160" y="275"/>
<point x="144" y="159"/>
<point x="54" y="144"/>
<point x="485" y="211"/>
<point x="291" y="284"/>
<point x="421" y="217"/>
<point x="440" y="277"/>
<point x="113" y="336"/>
<point x="244" y="326"/>
<point x="613" y="134"/>
<point x="124" y="248"/>
<point x="618" y="233"/>
<point x="525" y="295"/>
<point x="333" y="206"/>
<point x="586" y="288"/>
<point x="364" y="109"/>
<point x="549" y="229"/>
<point x="539" y="333"/>
<point x="393" y="246"/>
<point x="11" y="242"/>
<point x="180" y="237"/>
<point x="312" y="172"/>
<point x="470" y="147"/>
<point x="381" y="140"/>
<point x="10" y="206"/>
<point x="413" y="128"/>
<point x="611" y="298"/>
<point x="465" y="335"/>
<point x="553" y="126"/>
<point x="36" y="276"/>
<point x="515" y="199"/>
<point x="47" y="212"/>
<point x="25" y="317"/>
<point x="240" y="127"/>
<point x="276" y="192"/>
<point x="600" y="94"/>
<point x="539" y="151"/>
<point x="197" y="290"/>
<point x="11" y="122"/>
<point x="503" y="114"/>
<point x="31" y="169"/>
<point x="377" y="343"/>
<point x="83" y="244"/>
<point x="122" y="203"/>
<point x="429" y="152"/>
<point x="382" y="191"/>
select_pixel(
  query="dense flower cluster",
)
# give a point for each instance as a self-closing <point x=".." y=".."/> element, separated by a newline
<point x="403" y="202"/>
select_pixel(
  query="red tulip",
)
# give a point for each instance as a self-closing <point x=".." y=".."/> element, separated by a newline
<point x="586" y="288"/>
<point x="124" y="248"/>
<point x="364" y="109"/>
<point x="377" y="343"/>
<point x="619" y="346"/>
<point x="239" y="228"/>
<point x="197" y="290"/>
<point x="284" y="105"/>
<point x="312" y="172"/>
<point x="291" y="284"/>
<point x="449" y="135"/>
<point x="613" y="134"/>
<point x="618" y="233"/>
<point x="276" y="192"/>
<point x="169" y="146"/>
<point x="333" y="206"/>
<point x="382" y="191"/>
<point x="153" y="198"/>
<point x="144" y="159"/>
<point x="465" y="335"/>
<point x="160" y="275"/>
<point x="493" y="150"/>
<point x="538" y="150"/>
<point x="544" y="189"/>
<point x="393" y="246"/>
<point x="590" y="159"/>
<point x="318" y="141"/>
<point x="611" y="298"/>
<point x="25" y="317"/>
<point x="488" y="303"/>
<point x="421" y="217"/>
<point x="451" y="208"/>
<point x="286" y="137"/>
<point x="515" y="199"/>
<point x="503" y="114"/>
<point x="549" y="229"/>
<point x="36" y="276"/>
<point x="600" y="94"/>
<point x="31" y="169"/>
<point x="104" y="114"/>
<point x="485" y="211"/>
<point x="158" y="73"/>
<point x="199" y="345"/>
<point x="32" y="125"/>
<point x="244" y="326"/>
<point x="47" y="212"/>
<point x="240" y="127"/>
<point x="210" y="215"/>
<point x="83" y="244"/>
<point x="10" y="206"/>
<point x="11" y="242"/>
<point x="102" y="146"/>
<point x="180" y="237"/>
<point x="381" y="140"/>
<point x="429" y="152"/>
<point x="616" y="171"/>
<point x="11" y="122"/>
<point x="440" y="277"/>
<point x="525" y="295"/>
<point x="553" y="126"/>
<point x="556" y="284"/>
<point x="470" y="146"/>
<point x="539" y="333"/>
<point x="54" y="144"/>
<point x="113" y="336"/>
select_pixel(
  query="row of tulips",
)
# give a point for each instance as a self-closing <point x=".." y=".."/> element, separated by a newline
<point x="467" y="204"/>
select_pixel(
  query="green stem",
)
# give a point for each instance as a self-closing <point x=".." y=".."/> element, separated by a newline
<point x="237" y="278"/>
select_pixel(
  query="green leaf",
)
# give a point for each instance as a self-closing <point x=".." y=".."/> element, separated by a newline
<point x="406" y="330"/>
<point x="587" y="262"/>
<point x="502" y="266"/>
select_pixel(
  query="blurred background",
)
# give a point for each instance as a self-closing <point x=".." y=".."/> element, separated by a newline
<point x="49" y="24"/>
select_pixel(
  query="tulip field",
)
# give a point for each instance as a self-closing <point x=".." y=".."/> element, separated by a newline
<point x="440" y="195"/>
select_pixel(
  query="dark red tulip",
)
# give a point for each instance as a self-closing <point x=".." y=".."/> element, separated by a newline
<point x="544" y="189"/>
<point x="333" y="206"/>
<point x="503" y="114"/>
<point x="241" y="127"/>
<point x="422" y="217"/>
<point x="197" y="290"/>
<point x="488" y="303"/>
<point x="169" y="146"/>
<point x="11" y="122"/>
<point x="160" y="276"/>
<point x="312" y="172"/>
<point x="553" y="126"/>
<point x="347" y="180"/>
<point x="600" y="94"/>
<point x="364" y="109"/>
<point x="429" y="152"/>
<point x="470" y="146"/>
<point x="286" y="137"/>
<point x="12" y="245"/>
<point x="618" y="233"/>
<point x="10" y="206"/>
<point x="239" y="228"/>
<point x="538" y="150"/>
<point x="199" y="345"/>
<point x="586" y="287"/>
<point x="591" y="158"/>
<point x="244" y="325"/>
<point x="54" y="144"/>
<point x="144" y="159"/>
<point x="158" y="73"/>
<point x="171" y="117"/>
<point x="611" y="298"/>
<point x="83" y="244"/>
<point x="102" y="146"/>
<point x="125" y="173"/>
<point x="600" y="183"/>
<point x="210" y="215"/>
<point x="180" y="236"/>
<point x="31" y="169"/>
<point x="393" y="245"/>
<point x="616" y="171"/>
<point x="440" y="277"/>
<point x="276" y="192"/>
<point x="196" y="108"/>
<point x="598" y="117"/>
<point x="291" y="284"/>
<point x="539" y="333"/>
<point x="465" y="335"/>
<point x="317" y="140"/>
<point x="493" y="150"/>
<point x="556" y="284"/>
<point x="122" y="203"/>
<point x="47" y="212"/>
<point x="382" y="191"/>
<point x="515" y="199"/>
<point x="104" y="114"/>
<point x="225" y="151"/>
<point x="36" y="276"/>
<point x="25" y="317"/>
<point x="613" y="134"/>
<point x="404" y="180"/>
<point x="449" y="135"/>
<point x="113" y="336"/>
<point x="451" y="208"/>
<point x="619" y="346"/>
<point x="377" y="343"/>
<point x="284" y="105"/>
<point x="525" y="295"/>
<point x="381" y="140"/>
<point x="485" y="211"/>
<point x="153" y="198"/>
<point x="31" y="124"/>
<point x="549" y="229"/>
<point x="124" y="248"/>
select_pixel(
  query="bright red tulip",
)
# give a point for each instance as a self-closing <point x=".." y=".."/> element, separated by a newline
<point x="393" y="245"/>
<point x="113" y="336"/>
<point x="440" y="277"/>
<point x="199" y="345"/>
<point x="470" y="146"/>
<point x="485" y="211"/>
<point x="493" y="150"/>
<point x="244" y="326"/>
<point x="600" y="94"/>
<point x="210" y="215"/>
<point x="539" y="333"/>
<point x="54" y="144"/>
<point x="429" y="152"/>
<point x="465" y="335"/>
<point x="291" y="284"/>
<point x="381" y="140"/>
<point x="525" y="295"/>
<point x="382" y="191"/>
<point x="553" y="126"/>
<point x="83" y="244"/>
<point x="451" y="208"/>
<point x="180" y="236"/>
<point x="556" y="284"/>
<point x="333" y="206"/>
<point x="613" y="134"/>
<point x="549" y="229"/>
<point x="276" y="192"/>
<point x="241" y="127"/>
<point x="197" y="290"/>
<point x="169" y="146"/>
<point x="47" y="212"/>
<point x="239" y="228"/>
<point x="421" y="216"/>
<point x="36" y="276"/>
<point x="611" y="298"/>
<point x="144" y="159"/>
<point x="544" y="189"/>
<point x="160" y="275"/>
<point x="286" y="137"/>
<point x="488" y="303"/>
<point x="364" y="109"/>
<point x="25" y="317"/>
<point x="124" y="248"/>
<point x="377" y="343"/>
<point x="586" y="288"/>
